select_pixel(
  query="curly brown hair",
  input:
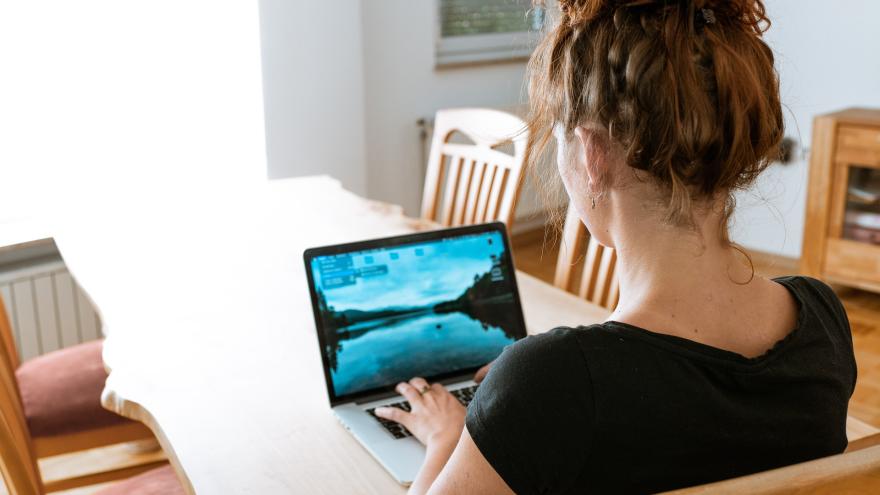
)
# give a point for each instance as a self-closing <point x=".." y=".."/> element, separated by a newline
<point x="690" y="95"/>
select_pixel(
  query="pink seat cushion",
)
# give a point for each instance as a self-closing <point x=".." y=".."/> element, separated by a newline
<point x="61" y="391"/>
<point x="159" y="481"/>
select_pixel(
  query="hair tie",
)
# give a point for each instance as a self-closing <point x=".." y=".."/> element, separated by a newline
<point x="708" y="16"/>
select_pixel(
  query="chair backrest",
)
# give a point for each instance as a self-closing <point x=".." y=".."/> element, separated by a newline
<point x="7" y="344"/>
<point x="474" y="183"/>
<point x="852" y="472"/>
<point x="597" y="282"/>
<point x="8" y="357"/>
<point x="17" y="459"/>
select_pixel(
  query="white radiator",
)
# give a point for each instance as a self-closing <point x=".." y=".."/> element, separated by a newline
<point x="46" y="308"/>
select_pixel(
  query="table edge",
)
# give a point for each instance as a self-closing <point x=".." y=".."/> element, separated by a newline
<point x="134" y="411"/>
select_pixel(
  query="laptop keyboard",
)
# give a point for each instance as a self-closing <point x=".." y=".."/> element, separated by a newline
<point x="464" y="395"/>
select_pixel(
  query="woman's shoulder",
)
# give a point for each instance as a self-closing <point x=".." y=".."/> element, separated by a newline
<point x="816" y="297"/>
<point x="540" y="356"/>
<point x="543" y="364"/>
<point x="563" y="345"/>
<point x="559" y="349"/>
<point x="807" y="282"/>
<point x="552" y="343"/>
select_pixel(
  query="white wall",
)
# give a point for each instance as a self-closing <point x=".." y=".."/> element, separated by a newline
<point x="313" y="85"/>
<point x="827" y="61"/>
<point x="403" y="86"/>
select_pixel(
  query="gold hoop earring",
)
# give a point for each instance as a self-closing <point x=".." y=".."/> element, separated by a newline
<point x="592" y="202"/>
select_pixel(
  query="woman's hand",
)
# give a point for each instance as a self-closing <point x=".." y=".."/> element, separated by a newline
<point x="436" y="418"/>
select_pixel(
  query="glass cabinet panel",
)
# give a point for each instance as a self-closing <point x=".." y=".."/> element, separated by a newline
<point x="861" y="220"/>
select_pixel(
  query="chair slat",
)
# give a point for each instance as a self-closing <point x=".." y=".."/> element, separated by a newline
<point x="591" y="270"/>
<point x="482" y="207"/>
<point x="479" y="174"/>
<point x="466" y="176"/>
<point x="507" y="204"/>
<point x="598" y="281"/>
<point x="570" y="250"/>
<point x="499" y="182"/>
<point x="602" y="290"/>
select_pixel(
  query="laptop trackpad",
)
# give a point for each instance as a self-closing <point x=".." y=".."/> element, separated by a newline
<point x="402" y="457"/>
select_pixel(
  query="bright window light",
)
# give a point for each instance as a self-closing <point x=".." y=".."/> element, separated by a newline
<point x="104" y="99"/>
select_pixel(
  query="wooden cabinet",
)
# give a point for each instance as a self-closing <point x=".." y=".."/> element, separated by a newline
<point x="842" y="228"/>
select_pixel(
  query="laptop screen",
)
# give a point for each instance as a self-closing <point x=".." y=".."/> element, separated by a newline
<point x="431" y="307"/>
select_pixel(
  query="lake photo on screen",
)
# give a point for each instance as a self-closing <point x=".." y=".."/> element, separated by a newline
<point x="415" y="310"/>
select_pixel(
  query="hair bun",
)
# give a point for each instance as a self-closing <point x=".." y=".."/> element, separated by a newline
<point x="749" y="13"/>
<point x="577" y="12"/>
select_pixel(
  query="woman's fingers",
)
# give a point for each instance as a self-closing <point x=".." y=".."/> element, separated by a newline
<point x="422" y="387"/>
<point x="409" y="392"/>
<point x="420" y="384"/>
<point x="394" y="414"/>
<point x="435" y="415"/>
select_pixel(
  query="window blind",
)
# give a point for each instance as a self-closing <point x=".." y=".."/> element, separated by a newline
<point x="486" y="30"/>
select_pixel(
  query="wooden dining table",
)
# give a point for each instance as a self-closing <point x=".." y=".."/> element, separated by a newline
<point x="210" y="337"/>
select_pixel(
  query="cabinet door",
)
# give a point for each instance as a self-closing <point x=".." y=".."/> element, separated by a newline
<point x="853" y="250"/>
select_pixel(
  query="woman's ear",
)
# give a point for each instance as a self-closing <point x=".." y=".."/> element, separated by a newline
<point x="593" y="155"/>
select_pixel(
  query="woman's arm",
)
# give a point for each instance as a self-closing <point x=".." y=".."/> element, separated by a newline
<point x="467" y="471"/>
<point x="437" y="420"/>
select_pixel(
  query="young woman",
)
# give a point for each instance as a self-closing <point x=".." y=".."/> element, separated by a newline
<point x="705" y="371"/>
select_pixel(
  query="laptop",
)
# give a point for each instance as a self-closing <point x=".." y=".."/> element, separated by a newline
<point x="437" y="304"/>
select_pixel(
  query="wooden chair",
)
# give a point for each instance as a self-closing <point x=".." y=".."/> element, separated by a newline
<point x="476" y="182"/>
<point x="855" y="471"/>
<point x="597" y="282"/>
<point x="18" y="461"/>
<point x="36" y="395"/>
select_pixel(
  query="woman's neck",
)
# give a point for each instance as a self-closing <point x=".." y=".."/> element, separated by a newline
<point x="659" y="262"/>
<point x="688" y="282"/>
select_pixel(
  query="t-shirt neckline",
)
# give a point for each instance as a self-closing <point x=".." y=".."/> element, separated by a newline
<point x="680" y="344"/>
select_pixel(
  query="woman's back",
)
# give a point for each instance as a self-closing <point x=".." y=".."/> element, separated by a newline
<point x="614" y="407"/>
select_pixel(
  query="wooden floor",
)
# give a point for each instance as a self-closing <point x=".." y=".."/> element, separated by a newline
<point x="537" y="256"/>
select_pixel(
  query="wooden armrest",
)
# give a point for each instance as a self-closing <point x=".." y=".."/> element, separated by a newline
<point x="851" y="472"/>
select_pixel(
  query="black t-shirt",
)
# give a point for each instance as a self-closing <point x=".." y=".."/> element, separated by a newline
<point x="613" y="408"/>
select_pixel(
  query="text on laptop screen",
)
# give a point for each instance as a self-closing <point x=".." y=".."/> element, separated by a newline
<point x="424" y="309"/>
